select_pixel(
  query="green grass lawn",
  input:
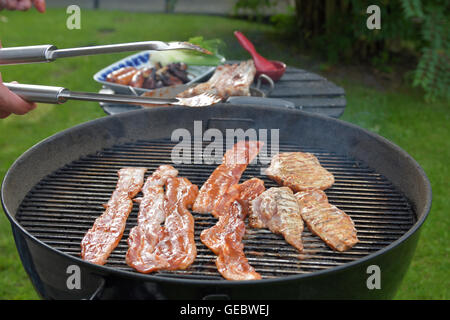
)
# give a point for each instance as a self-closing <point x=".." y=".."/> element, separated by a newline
<point x="400" y="115"/>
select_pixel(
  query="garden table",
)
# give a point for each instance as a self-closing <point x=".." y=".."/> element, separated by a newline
<point x="306" y="90"/>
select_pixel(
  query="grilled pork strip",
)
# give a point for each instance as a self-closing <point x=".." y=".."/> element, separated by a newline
<point x="145" y="236"/>
<point x="234" y="163"/>
<point x="227" y="80"/>
<point x="249" y="190"/>
<point x="277" y="209"/>
<point x="225" y="238"/>
<point x="171" y="246"/>
<point x="299" y="171"/>
<point x="179" y="224"/>
<point x="105" y="234"/>
<point x="325" y="220"/>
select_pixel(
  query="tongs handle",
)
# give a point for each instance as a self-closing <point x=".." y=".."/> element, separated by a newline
<point x="29" y="54"/>
<point x="37" y="93"/>
<point x="58" y="95"/>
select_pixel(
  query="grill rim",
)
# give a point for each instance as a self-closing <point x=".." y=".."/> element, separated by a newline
<point x="100" y="270"/>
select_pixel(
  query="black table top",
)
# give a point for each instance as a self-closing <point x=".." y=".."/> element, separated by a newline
<point x="310" y="92"/>
<point x="306" y="90"/>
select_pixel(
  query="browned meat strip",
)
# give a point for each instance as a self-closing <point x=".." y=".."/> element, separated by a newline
<point x="278" y="210"/>
<point x="153" y="246"/>
<point x="234" y="163"/>
<point x="145" y="236"/>
<point x="225" y="238"/>
<point x="328" y="222"/>
<point x="105" y="234"/>
<point x="299" y="171"/>
<point x="249" y="190"/>
<point x="178" y="247"/>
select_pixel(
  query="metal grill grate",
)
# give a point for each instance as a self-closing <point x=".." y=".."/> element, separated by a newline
<point x="63" y="206"/>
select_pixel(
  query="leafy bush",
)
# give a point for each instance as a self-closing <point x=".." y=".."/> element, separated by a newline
<point x="433" y="70"/>
<point x="338" y="29"/>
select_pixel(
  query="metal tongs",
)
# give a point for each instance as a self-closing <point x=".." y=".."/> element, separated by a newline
<point x="58" y="95"/>
<point x="48" y="52"/>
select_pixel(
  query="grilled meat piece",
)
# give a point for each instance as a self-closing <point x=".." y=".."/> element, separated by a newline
<point x="178" y="246"/>
<point x="149" y="83"/>
<point x="126" y="78"/>
<point x="151" y="78"/>
<point x="325" y="220"/>
<point x="234" y="163"/>
<point x="174" y="81"/>
<point x="249" y="190"/>
<point x="112" y="77"/>
<point x="299" y="171"/>
<point x="278" y="210"/>
<point x="144" y="237"/>
<point x="105" y="234"/>
<point x="179" y="71"/>
<point x="138" y="79"/>
<point x="227" y="80"/>
<point x="153" y="246"/>
<point x="225" y="238"/>
<point x="165" y="79"/>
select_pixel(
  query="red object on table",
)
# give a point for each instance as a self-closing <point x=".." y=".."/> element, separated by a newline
<point x="274" y="69"/>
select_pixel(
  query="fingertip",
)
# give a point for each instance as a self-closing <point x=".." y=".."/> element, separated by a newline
<point x="27" y="107"/>
<point x="17" y="105"/>
<point x="40" y="5"/>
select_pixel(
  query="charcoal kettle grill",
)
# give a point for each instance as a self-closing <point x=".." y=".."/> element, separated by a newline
<point x="55" y="190"/>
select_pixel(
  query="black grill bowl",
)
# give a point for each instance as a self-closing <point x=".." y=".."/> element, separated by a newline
<point x="54" y="191"/>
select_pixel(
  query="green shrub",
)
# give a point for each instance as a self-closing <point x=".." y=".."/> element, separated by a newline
<point x="433" y="70"/>
<point x="337" y="29"/>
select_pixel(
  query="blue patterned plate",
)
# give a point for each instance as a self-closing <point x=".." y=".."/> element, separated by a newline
<point x="142" y="59"/>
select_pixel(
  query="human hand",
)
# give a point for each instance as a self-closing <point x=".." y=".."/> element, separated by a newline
<point x="12" y="103"/>
<point x="22" y="5"/>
